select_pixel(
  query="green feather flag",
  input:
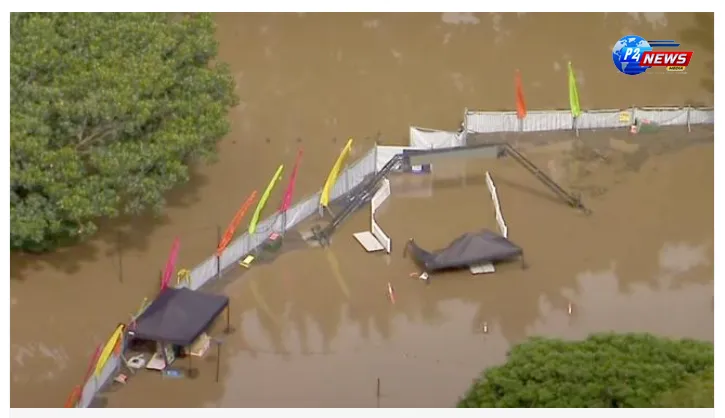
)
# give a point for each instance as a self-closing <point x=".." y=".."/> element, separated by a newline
<point x="576" y="110"/>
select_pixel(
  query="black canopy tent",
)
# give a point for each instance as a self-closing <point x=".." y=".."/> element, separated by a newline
<point x="469" y="249"/>
<point x="180" y="316"/>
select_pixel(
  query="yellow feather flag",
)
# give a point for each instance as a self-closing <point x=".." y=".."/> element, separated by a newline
<point x="334" y="173"/>
<point x="264" y="198"/>
<point x="576" y="110"/>
<point x="108" y="349"/>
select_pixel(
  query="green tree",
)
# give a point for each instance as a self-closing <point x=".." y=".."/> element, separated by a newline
<point x="603" y="371"/>
<point x="107" y="111"/>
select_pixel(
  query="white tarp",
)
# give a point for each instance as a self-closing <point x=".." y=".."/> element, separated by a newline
<point x="422" y="138"/>
<point x="386" y="153"/>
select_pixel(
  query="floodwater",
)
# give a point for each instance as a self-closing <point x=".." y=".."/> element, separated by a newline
<point x="314" y="328"/>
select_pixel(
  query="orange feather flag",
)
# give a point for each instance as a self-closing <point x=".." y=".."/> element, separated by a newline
<point x="520" y="102"/>
<point x="229" y="233"/>
<point x="73" y="398"/>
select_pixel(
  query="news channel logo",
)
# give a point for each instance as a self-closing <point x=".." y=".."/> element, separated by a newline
<point x="627" y="53"/>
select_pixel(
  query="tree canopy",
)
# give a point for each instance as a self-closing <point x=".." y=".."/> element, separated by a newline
<point x="603" y="371"/>
<point x="107" y="111"/>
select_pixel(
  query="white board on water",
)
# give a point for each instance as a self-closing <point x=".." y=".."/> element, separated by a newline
<point x="368" y="241"/>
<point x="482" y="268"/>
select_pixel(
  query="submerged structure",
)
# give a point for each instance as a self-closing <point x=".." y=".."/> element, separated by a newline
<point x="472" y="248"/>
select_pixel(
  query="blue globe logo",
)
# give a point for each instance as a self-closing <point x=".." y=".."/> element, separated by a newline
<point x="627" y="52"/>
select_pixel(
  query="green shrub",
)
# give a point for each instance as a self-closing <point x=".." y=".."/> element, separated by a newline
<point x="603" y="371"/>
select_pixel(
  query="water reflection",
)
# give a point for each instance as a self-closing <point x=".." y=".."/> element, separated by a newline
<point x="666" y="305"/>
<point x="439" y="357"/>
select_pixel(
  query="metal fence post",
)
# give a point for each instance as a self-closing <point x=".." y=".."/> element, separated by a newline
<point x="689" y="128"/>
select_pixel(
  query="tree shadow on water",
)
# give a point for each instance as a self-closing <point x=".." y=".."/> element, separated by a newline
<point x="702" y="35"/>
<point x="126" y="232"/>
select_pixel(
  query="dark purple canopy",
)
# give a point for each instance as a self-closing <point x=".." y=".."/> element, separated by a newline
<point x="179" y="316"/>
<point x="469" y="249"/>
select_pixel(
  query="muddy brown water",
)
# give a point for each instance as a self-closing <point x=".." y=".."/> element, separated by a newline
<point x="314" y="328"/>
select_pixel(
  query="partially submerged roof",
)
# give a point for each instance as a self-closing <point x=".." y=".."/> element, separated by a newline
<point x="469" y="249"/>
<point x="179" y="316"/>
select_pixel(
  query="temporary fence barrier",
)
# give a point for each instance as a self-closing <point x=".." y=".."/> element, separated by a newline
<point x="562" y="120"/>
<point x="95" y="381"/>
<point x="357" y="172"/>
<point x="378" y="199"/>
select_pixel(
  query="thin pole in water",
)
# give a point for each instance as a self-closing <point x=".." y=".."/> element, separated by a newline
<point x="218" y="358"/>
<point x="377" y="394"/>
<point x="218" y="258"/>
<point x="119" y="249"/>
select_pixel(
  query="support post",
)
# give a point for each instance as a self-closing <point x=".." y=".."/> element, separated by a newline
<point x="218" y="256"/>
<point x="228" y="329"/>
<point x="377" y="393"/>
<point x="218" y="358"/>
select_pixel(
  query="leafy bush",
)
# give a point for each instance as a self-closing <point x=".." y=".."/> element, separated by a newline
<point x="603" y="371"/>
<point x="107" y="111"/>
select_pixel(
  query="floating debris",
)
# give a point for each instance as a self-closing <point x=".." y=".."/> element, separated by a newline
<point x="569" y="309"/>
<point x="391" y="293"/>
<point x="247" y="261"/>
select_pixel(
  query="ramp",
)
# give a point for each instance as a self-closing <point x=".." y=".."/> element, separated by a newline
<point x="368" y="241"/>
<point x="356" y="200"/>
<point x="567" y="197"/>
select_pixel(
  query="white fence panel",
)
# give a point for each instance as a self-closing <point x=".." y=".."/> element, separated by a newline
<point x="486" y="122"/>
<point x="705" y="116"/>
<point x="354" y="175"/>
<point x="663" y="116"/>
<point x="203" y="272"/>
<point x="302" y="210"/>
<point x="380" y="196"/>
<point x="603" y="119"/>
<point x="236" y="250"/>
<point x="496" y="206"/>
<point x="96" y="382"/>
<point x="554" y="120"/>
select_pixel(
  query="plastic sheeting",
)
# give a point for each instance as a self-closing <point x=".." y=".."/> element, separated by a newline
<point x="487" y="122"/>
<point x="429" y="138"/>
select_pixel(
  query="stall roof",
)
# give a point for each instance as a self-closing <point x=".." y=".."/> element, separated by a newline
<point x="469" y="249"/>
<point x="179" y="316"/>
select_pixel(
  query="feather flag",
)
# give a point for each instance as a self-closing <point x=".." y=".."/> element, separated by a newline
<point x="573" y="94"/>
<point x="334" y="173"/>
<point x="264" y="198"/>
<point x="232" y="228"/>
<point x="287" y="200"/>
<point x="520" y="102"/>
<point x="170" y="264"/>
